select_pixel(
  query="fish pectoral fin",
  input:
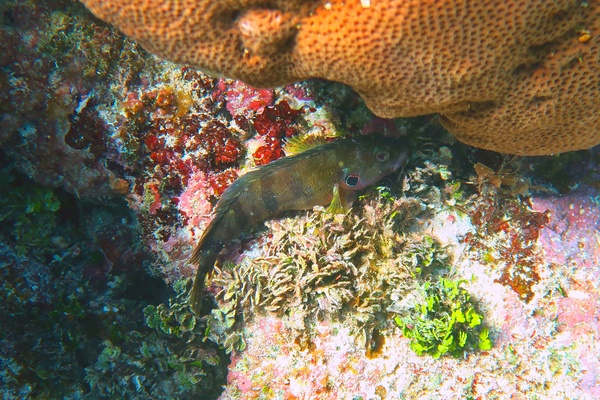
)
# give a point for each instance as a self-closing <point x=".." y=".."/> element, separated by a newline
<point x="339" y="204"/>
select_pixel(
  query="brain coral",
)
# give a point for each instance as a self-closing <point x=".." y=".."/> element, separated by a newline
<point x="515" y="76"/>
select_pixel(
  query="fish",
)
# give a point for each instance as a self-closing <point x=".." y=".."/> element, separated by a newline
<point x="325" y="174"/>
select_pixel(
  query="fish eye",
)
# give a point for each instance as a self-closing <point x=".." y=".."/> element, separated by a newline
<point x="382" y="155"/>
<point x="352" y="180"/>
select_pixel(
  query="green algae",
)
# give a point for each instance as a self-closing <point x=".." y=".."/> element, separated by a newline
<point x="28" y="213"/>
<point x="444" y="321"/>
<point x="166" y="360"/>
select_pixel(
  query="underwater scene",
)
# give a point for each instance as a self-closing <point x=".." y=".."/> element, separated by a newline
<point x="171" y="234"/>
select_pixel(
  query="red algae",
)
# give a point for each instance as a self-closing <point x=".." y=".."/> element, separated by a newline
<point x="507" y="230"/>
<point x="217" y="136"/>
<point x="274" y="125"/>
<point x="241" y="99"/>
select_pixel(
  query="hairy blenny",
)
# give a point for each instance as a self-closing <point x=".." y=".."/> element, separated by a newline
<point x="327" y="174"/>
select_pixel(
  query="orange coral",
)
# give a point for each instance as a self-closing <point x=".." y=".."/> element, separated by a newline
<point x="520" y="76"/>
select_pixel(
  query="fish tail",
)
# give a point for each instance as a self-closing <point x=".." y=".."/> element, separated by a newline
<point x="196" y="293"/>
<point x="205" y="261"/>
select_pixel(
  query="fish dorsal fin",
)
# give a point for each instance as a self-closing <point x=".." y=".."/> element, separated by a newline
<point x="338" y="203"/>
<point x="301" y="143"/>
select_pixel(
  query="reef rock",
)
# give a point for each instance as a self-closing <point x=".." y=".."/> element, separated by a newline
<point x="518" y="77"/>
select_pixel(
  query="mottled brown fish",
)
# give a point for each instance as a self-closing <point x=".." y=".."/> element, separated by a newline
<point x="327" y="174"/>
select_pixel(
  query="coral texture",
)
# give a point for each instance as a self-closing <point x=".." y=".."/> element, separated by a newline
<point x="518" y="77"/>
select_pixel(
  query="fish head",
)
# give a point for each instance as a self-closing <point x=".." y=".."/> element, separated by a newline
<point x="372" y="158"/>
